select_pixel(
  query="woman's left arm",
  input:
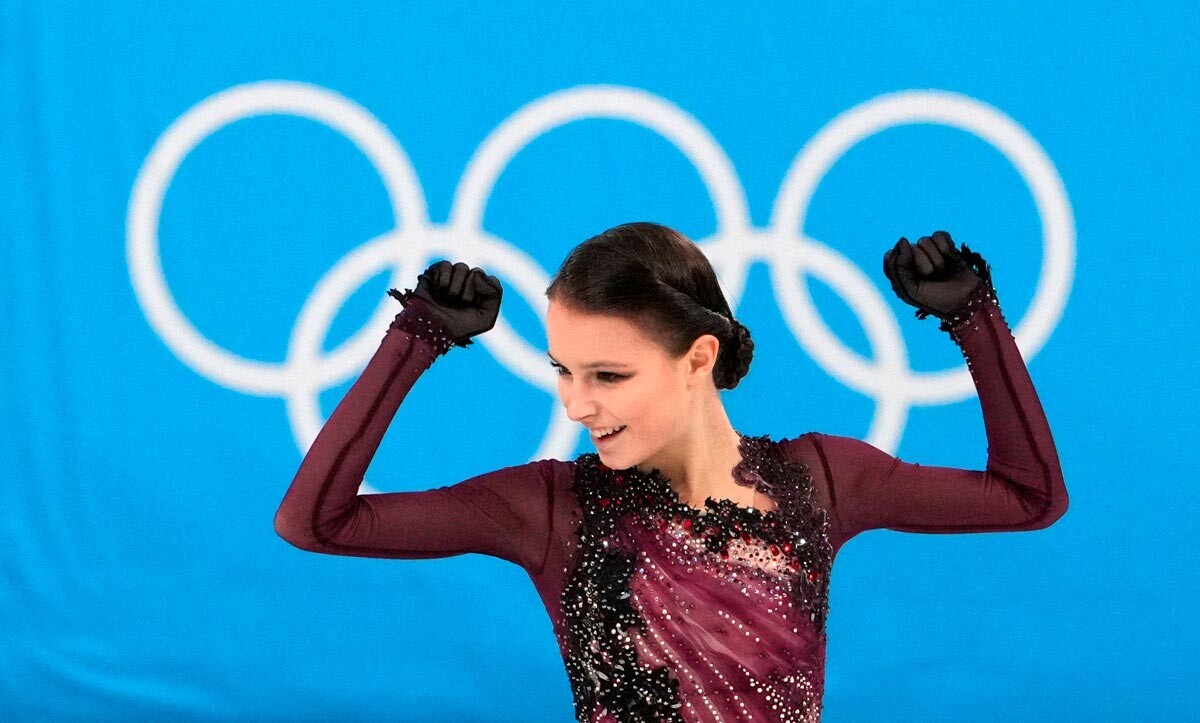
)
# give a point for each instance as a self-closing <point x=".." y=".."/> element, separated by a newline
<point x="1022" y="486"/>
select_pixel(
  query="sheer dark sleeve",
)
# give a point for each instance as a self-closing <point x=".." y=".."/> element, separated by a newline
<point x="1021" y="487"/>
<point x="503" y="513"/>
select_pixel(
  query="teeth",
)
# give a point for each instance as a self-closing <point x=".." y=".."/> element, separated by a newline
<point x="606" y="432"/>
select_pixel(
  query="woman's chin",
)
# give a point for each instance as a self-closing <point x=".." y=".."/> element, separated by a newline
<point x="610" y="457"/>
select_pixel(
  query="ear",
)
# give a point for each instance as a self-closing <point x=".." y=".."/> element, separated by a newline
<point x="701" y="358"/>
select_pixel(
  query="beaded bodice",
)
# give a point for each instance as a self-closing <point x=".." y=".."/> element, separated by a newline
<point x="670" y="606"/>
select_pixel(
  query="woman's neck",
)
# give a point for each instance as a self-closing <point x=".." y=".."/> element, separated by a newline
<point x="699" y="463"/>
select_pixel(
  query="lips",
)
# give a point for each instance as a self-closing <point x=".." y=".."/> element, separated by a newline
<point x="607" y="438"/>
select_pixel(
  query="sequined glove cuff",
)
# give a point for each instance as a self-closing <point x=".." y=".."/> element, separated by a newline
<point x="416" y="319"/>
<point x="964" y="315"/>
<point x="959" y="319"/>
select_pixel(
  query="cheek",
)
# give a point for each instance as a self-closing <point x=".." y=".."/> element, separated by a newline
<point x="650" y="401"/>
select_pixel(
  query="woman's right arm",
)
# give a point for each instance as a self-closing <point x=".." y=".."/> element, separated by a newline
<point x="504" y="513"/>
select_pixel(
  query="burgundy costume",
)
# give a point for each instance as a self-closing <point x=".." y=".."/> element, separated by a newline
<point x="664" y="611"/>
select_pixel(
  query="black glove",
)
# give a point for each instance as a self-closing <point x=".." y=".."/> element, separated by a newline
<point x="465" y="300"/>
<point x="934" y="276"/>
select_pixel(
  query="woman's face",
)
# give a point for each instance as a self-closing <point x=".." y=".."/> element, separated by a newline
<point x="611" y="375"/>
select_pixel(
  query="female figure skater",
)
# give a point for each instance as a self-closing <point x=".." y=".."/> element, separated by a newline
<point x="685" y="565"/>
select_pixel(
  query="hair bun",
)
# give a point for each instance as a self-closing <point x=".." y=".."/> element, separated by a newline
<point x="734" y="363"/>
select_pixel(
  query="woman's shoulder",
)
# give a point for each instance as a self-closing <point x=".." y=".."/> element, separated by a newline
<point x="560" y="474"/>
<point x="810" y="452"/>
<point x="554" y="469"/>
<point x="803" y="446"/>
<point x="815" y="447"/>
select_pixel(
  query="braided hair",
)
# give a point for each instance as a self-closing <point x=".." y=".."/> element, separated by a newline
<point x="661" y="280"/>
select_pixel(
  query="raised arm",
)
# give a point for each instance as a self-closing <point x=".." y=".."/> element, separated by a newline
<point x="1021" y="487"/>
<point x="503" y="513"/>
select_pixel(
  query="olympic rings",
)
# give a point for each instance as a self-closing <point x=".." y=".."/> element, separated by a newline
<point x="414" y="242"/>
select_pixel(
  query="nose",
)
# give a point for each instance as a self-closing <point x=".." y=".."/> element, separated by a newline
<point x="578" y="403"/>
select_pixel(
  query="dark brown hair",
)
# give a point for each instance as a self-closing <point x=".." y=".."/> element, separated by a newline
<point x="659" y="279"/>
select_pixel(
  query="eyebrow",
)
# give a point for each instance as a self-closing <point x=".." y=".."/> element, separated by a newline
<point x="592" y="365"/>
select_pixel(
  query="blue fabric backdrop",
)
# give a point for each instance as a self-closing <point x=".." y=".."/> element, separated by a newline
<point x="204" y="203"/>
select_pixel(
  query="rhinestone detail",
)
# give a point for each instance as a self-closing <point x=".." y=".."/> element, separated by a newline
<point x="416" y="319"/>
<point x="624" y="649"/>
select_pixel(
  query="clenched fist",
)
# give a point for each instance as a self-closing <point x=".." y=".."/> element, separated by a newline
<point x="466" y="300"/>
<point x="933" y="275"/>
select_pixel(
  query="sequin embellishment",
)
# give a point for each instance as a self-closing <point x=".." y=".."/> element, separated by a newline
<point x="956" y="320"/>
<point x="611" y="633"/>
<point x="416" y="319"/>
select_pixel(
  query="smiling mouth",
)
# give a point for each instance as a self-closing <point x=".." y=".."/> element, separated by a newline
<point x="609" y="436"/>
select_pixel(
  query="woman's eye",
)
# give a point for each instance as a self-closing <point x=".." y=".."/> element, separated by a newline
<point x="606" y="377"/>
